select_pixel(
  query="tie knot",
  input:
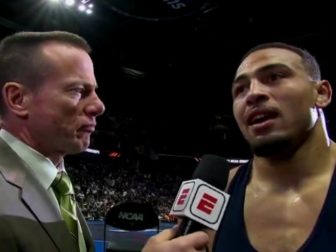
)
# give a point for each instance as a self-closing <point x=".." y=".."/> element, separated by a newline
<point x="62" y="184"/>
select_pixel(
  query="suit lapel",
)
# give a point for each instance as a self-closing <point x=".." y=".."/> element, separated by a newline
<point x="86" y="231"/>
<point x="38" y="201"/>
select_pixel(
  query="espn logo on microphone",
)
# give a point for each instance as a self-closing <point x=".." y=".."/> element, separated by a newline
<point x="200" y="202"/>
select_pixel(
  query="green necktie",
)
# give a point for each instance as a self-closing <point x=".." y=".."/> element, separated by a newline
<point x="66" y="198"/>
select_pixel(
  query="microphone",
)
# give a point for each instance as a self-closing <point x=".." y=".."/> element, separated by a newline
<point x="201" y="201"/>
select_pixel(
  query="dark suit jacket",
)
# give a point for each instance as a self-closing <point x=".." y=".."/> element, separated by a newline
<point x="29" y="217"/>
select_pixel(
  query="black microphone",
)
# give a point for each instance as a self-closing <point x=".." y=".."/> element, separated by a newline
<point x="201" y="201"/>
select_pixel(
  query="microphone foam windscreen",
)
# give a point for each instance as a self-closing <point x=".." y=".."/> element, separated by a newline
<point x="214" y="170"/>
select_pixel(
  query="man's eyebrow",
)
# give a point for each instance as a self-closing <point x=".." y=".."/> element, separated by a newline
<point x="240" y="78"/>
<point x="260" y="70"/>
<point x="90" y="85"/>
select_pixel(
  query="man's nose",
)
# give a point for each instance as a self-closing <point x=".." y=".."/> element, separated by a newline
<point x="256" y="93"/>
<point x="96" y="107"/>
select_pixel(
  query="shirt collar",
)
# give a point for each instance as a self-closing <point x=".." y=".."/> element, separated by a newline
<point x="43" y="169"/>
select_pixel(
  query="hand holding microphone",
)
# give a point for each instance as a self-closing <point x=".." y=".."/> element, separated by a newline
<point x="200" y="203"/>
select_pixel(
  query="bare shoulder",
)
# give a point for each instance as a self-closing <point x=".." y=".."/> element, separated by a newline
<point x="333" y="153"/>
<point x="333" y="149"/>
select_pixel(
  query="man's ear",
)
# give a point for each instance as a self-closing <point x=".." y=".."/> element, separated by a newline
<point x="16" y="98"/>
<point x="324" y="94"/>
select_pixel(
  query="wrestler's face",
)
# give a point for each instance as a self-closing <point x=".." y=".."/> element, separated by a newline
<point x="273" y="100"/>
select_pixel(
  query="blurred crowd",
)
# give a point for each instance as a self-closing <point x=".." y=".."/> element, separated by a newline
<point x="99" y="186"/>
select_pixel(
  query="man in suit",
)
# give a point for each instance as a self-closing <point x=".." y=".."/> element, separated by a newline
<point x="48" y="109"/>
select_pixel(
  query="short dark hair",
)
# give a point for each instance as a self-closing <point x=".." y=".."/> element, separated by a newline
<point x="309" y="62"/>
<point x="21" y="60"/>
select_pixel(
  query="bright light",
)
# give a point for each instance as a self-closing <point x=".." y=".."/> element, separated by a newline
<point x="81" y="7"/>
<point x="69" y="2"/>
<point x="237" y="161"/>
<point x="88" y="11"/>
<point x="92" y="151"/>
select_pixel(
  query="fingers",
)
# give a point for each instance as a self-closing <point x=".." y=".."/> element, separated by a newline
<point x="192" y="242"/>
<point x="165" y="235"/>
<point x="163" y="242"/>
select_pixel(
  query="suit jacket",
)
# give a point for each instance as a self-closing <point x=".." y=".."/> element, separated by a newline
<point x="30" y="220"/>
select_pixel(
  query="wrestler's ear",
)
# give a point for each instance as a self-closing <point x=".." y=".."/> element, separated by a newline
<point x="323" y="94"/>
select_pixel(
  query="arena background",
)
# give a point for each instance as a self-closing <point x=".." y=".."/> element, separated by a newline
<point x="164" y="70"/>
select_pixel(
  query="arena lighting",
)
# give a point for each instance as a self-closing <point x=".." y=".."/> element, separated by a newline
<point x="237" y="161"/>
<point x="86" y="6"/>
<point x="69" y="2"/>
<point x="83" y="6"/>
<point x="92" y="151"/>
<point x="231" y="161"/>
<point x="198" y="159"/>
<point x="114" y="154"/>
